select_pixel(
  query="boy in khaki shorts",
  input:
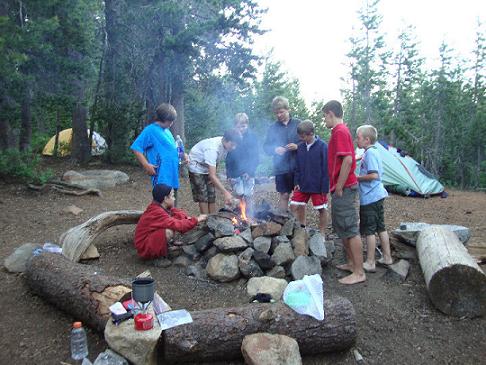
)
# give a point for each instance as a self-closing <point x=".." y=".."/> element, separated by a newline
<point x="203" y="159"/>
<point x="372" y="193"/>
<point x="344" y="191"/>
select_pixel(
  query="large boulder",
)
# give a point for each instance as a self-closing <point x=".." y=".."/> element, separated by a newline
<point x="95" y="179"/>
<point x="223" y="267"/>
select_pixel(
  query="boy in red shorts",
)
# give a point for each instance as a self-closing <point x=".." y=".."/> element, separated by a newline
<point x="311" y="177"/>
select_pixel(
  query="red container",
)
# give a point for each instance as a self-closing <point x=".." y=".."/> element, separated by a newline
<point x="143" y="322"/>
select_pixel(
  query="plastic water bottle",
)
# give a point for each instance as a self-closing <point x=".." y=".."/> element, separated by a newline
<point x="180" y="147"/>
<point x="79" y="342"/>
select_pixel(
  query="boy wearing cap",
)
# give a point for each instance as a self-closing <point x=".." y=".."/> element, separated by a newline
<point x="157" y="224"/>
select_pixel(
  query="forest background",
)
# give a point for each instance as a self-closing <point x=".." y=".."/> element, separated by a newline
<point x="105" y="66"/>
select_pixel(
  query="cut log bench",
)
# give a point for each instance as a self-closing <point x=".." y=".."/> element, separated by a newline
<point x="216" y="334"/>
<point x="455" y="283"/>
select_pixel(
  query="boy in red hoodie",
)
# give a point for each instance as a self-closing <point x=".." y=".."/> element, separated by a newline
<point x="157" y="224"/>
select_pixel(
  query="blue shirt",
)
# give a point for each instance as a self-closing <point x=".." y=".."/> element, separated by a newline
<point x="160" y="149"/>
<point x="371" y="191"/>
<point x="311" y="170"/>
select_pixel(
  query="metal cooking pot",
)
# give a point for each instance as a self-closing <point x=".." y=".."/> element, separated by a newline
<point x="143" y="290"/>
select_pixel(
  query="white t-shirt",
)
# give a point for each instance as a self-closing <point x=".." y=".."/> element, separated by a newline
<point x="207" y="152"/>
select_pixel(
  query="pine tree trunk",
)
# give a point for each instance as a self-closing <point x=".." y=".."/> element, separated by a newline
<point x="26" y="119"/>
<point x="80" y="150"/>
<point x="4" y="133"/>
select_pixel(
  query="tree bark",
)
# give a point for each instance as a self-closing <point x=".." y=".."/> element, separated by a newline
<point x="81" y="150"/>
<point x="25" y="136"/>
<point x="76" y="240"/>
<point x="79" y="290"/>
<point x="4" y="133"/>
<point x="455" y="283"/>
<point x="217" y="334"/>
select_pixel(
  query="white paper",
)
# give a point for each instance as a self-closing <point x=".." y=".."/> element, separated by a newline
<point x="174" y="318"/>
<point x="117" y="308"/>
<point x="160" y="306"/>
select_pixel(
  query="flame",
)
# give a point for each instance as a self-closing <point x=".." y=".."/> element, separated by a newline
<point x="243" y="210"/>
<point x="234" y="221"/>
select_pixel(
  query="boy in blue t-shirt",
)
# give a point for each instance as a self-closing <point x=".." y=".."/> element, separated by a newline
<point x="372" y="193"/>
<point x="156" y="149"/>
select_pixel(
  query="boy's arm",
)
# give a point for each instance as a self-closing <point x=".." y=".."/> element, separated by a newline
<point x="297" y="172"/>
<point x="270" y="146"/>
<point x="343" y="174"/>
<point x="368" y="177"/>
<point x="148" y="167"/>
<point x="180" y="224"/>
<point x="215" y="180"/>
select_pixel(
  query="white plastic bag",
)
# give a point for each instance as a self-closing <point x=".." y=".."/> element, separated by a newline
<point x="306" y="296"/>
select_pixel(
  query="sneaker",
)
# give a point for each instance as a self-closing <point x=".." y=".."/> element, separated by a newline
<point x="368" y="268"/>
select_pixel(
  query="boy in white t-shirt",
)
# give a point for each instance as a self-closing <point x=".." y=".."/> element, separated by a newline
<point x="203" y="159"/>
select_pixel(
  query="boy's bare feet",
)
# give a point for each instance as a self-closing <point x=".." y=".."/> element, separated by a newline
<point x="353" y="279"/>
<point x="369" y="267"/>
<point x="345" y="267"/>
<point x="383" y="261"/>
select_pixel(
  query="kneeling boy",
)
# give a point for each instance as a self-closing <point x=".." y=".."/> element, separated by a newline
<point x="159" y="221"/>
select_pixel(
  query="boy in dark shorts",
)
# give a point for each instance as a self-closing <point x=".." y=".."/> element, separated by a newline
<point x="311" y="178"/>
<point x="341" y="163"/>
<point x="281" y="143"/>
<point x="372" y="193"/>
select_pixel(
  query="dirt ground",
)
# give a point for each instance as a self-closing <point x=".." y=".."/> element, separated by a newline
<point x="397" y="323"/>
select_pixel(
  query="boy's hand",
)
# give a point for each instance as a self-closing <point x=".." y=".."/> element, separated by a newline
<point x="202" y="218"/>
<point x="280" y="150"/>
<point x="291" y="147"/>
<point x="338" y="192"/>
<point x="150" y="169"/>
<point x="296" y="187"/>
<point x="228" y="198"/>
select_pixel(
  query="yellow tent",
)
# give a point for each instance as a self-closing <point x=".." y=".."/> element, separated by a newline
<point x="64" y="144"/>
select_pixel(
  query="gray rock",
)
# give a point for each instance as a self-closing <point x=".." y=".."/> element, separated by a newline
<point x="203" y="243"/>
<point x="182" y="261"/>
<point x="95" y="179"/>
<point x="268" y="349"/>
<point x="211" y="252"/>
<point x="278" y="240"/>
<point x="300" y="242"/>
<point x="266" y="285"/>
<point x="246" y="235"/>
<point x="263" y="260"/>
<point x="230" y="244"/>
<point x="223" y="267"/>
<point x="288" y="228"/>
<point x="248" y="267"/>
<point x="191" y="251"/>
<point x="305" y="265"/>
<point x="397" y="272"/>
<point x="283" y="254"/>
<point x="330" y="248"/>
<point x="409" y="231"/>
<point x="221" y="227"/>
<point x="17" y="261"/>
<point x="277" y="272"/>
<point x="265" y="229"/>
<point x="193" y="236"/>
<point x="317" y="247"/>
<point x="262" y="244"/>
<point x="196" y="271"/>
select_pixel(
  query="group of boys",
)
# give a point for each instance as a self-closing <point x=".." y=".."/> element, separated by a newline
<point x="305" y="168"/>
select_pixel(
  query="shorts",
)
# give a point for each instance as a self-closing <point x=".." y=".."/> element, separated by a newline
<point x="319" y="200"/>
<point x="202" y="188"/>
<point x="344" y="214"/>
<point x="242" y="187"/>
<point x="372" y="218"/>
<point x="284" y="183"/>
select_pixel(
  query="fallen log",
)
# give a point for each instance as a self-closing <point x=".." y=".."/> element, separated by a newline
<point x="80" y="290"/>
<point x="76" y="240"/>
<point x="455" y="283"/>
<point x="217" y="334"/>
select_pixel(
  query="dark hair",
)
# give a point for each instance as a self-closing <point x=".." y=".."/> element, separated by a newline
<point x="166" y="113"/>
<point x="305" y="127"/>
<point x="335" y="107"/>
<point x="160" y="191"/>
<point x="232" y="135"/>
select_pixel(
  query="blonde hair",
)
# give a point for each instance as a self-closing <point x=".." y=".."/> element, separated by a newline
<point x="368" y="131"/>
<point x="279" y="102"/>
<point x="241" y="117"/>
